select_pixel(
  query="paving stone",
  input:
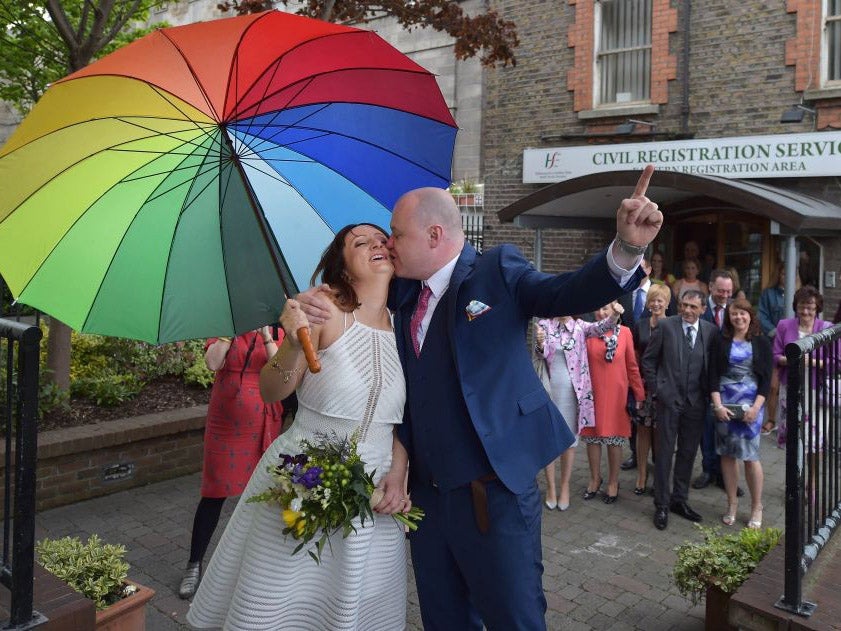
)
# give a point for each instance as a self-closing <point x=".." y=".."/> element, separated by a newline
<point x="604" y="565"/>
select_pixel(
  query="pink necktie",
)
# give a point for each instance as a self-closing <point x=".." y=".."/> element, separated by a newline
<point x="417" y="317"/>
<point x="718" y="311"/>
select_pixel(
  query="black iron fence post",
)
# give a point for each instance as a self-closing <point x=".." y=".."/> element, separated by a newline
<point x="792" y="596"/>
<point x="21" y="411"/>
<point x="813" y="470"/>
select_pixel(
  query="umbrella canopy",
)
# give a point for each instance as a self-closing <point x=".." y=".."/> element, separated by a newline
<point x="183" y="185"/>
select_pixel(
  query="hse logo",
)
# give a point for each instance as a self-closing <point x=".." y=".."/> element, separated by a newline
<point x="553" y="159"/>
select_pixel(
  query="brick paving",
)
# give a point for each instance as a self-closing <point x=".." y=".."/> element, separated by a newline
<point x="606" y="567"/>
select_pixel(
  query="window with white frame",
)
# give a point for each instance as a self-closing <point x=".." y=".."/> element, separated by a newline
<point x="832" y="41"/>
<point x="623" y="51"/>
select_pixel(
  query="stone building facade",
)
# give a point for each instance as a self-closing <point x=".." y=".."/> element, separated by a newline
<point x="718" y="70"/>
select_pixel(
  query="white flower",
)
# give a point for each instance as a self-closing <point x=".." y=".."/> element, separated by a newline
<point x="295" y="504"/>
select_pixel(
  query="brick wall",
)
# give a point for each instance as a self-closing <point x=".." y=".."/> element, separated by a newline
<point x="80" y="463"/>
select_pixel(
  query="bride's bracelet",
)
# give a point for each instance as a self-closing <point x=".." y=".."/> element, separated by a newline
<point x="287" y="375"/>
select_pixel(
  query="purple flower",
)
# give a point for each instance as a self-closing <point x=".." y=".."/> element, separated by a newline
<point x="296" y="461"/>
<point x="308" y="478"/>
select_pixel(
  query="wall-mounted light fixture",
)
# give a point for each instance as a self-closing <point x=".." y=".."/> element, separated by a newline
<point x="630" y="125"/>
<point x="795" y="113"/>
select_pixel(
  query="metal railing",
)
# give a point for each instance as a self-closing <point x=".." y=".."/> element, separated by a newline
<point x="813" y="457"/>
<point x="19" y="349"/>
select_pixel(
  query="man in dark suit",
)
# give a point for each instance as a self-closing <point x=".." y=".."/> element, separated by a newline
<point x="674" y="367"/>
<point x="721" y="294"/>
<point x="478" y="424"/>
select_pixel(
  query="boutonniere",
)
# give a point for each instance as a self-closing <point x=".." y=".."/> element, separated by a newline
<point x="475" y="309"/>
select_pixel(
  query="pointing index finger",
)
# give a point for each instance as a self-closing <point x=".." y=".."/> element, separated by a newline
<point x="645" y="178"/>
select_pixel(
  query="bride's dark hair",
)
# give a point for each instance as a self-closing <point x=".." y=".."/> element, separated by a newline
<point x="332" y="268"/>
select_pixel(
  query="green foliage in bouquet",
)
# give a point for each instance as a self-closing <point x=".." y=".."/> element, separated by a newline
<point x="94" y="569"/>
<point x="723" y="561"/>
<point x="322" y="490"/>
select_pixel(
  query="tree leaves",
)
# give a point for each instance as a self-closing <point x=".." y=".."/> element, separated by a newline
<point x="486" y="33"/>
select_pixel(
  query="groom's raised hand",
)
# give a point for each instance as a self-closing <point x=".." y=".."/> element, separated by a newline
<point x="638" y="219"/>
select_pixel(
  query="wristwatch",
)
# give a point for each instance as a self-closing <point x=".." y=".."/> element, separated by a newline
<point x="630" y="248"/>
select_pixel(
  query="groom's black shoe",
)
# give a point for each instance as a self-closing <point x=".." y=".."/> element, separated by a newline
<point x="683" y="509"/>
<point x="661" y="518"/>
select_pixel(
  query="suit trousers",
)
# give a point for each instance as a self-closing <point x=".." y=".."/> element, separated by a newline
<point x="466" y="578"/>
<point x="710" y="460"/>
<point x="678" y="433"/>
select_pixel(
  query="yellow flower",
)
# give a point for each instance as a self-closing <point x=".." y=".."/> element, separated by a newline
<point x="294" y="519"/>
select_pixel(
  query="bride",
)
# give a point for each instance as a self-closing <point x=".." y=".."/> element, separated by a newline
<point x="253" y="580"/>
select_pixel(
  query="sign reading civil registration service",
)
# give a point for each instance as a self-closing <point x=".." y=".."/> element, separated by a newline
<point x="815" y="154"/>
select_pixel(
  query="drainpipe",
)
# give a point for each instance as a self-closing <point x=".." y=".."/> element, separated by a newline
<point x="538" y="249"/>
<point x="791" y="274"/>
<point x="684" y="108"/>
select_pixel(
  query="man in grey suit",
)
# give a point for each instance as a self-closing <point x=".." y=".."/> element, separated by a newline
<point x="674" y="367"/>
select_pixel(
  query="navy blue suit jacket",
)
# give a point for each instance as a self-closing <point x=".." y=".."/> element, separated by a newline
<point x="520" y="429"/>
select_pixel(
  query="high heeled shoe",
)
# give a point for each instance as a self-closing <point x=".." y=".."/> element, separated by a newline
<point x="588" y="494"/>
<point x="640" y="490"/>
<point x="729" y="518"/>
<point x="755" y="523"/>
<point x="550" y="505"/>
<point x="611" y="499"/>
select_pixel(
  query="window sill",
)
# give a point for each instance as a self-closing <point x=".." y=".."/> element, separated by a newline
<point x="614" y="111"/>
<point x="822" y="94"/>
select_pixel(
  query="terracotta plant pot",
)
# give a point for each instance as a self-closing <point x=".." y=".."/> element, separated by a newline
<point x="717" y="610"/>
<point x="128" y="614"/>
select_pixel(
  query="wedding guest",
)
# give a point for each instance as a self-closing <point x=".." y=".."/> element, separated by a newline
<point x="808" y="303"/>
<point x="675" y="366"/>
<point x="689" y="280"/>
<point x="239" y="428"/>
<point x="561" y="342"/>
<point x="658" y="271"/>
<point x="740" y="375"/>
<point x="645" y="418"/>
<point x="613" y="370"/>
<point x="254" y="581"/>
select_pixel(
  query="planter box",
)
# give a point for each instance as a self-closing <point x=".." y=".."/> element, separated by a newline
<point x="128" y="614"/>
<point x="717" y="610"/>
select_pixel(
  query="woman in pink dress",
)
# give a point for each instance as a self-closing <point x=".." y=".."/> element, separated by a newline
<point x="613" y="369"/>
<point x="239" y="428"/>
<point x="561" y="344"/>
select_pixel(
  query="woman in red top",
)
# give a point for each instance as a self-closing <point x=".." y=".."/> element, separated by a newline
<point x="613" y="369"/>
<point x="239" y="428"/>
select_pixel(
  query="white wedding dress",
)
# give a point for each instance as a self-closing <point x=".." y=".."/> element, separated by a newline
<point x="253" y="581"/>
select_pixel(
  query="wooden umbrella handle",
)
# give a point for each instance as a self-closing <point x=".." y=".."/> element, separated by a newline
<point x="309" y="351"/>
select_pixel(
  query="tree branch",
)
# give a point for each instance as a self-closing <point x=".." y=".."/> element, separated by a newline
<point x="62" y="24"/>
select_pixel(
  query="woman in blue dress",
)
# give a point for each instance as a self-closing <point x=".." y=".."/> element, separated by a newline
<point x="740" y="378"/>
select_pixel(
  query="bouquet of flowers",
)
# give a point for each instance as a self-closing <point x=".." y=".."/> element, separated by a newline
<point x="323" y="489"/>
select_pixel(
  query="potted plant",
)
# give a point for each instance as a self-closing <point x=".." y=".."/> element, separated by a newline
<point x="98" y="571"/>
<point x="715" y="567"/>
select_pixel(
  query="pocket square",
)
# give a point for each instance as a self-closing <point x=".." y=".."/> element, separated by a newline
<point x="475" y="309"/>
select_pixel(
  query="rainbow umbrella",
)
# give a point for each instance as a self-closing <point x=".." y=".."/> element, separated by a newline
<point x="182" y="186"/>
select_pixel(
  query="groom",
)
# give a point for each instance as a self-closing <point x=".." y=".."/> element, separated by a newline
<point x="478" y="425"/>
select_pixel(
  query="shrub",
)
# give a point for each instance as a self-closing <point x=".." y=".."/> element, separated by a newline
<point x="95" y="570"/>
<point x="723" y="561"/>
<point x="110" y="370"/>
